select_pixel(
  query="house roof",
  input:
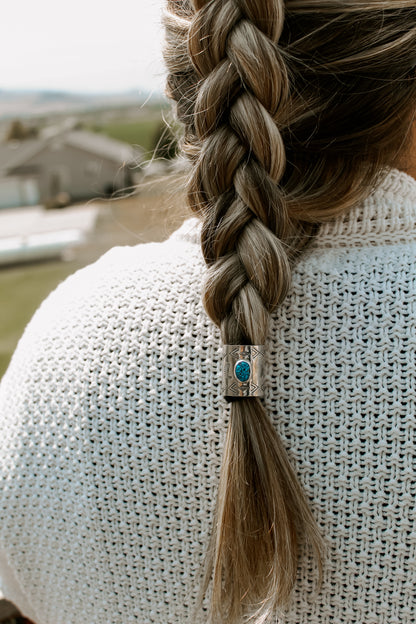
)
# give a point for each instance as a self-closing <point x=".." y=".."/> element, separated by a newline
<point x="102" y="145"/>
<point x="16" y="153"/>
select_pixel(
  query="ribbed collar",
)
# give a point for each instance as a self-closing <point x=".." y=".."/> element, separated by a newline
<point x="388" y="215"/>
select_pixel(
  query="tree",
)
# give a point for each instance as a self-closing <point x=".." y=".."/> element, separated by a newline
<point x="19" y="132"/>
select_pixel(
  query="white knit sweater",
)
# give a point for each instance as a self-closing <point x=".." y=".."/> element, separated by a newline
<point x="112" y="425"/>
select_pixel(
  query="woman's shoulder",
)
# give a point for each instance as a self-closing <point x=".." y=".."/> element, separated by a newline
<point x="104" y="305"/>
<point x="134" y="270"/>
<point x="122" y="278"/>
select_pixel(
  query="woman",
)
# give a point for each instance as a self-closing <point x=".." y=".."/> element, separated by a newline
<point x="298" y="120"/>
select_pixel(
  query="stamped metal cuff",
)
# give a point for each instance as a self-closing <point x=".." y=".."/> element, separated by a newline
<point x="242" y="370"/>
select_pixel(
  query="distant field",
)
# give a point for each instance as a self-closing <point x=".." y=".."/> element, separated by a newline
<point x="22" y="288"/>
<point x="150" y="216"/>
<point x="142" y="131"/>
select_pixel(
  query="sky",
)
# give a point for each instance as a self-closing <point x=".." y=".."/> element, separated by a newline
<point x="89" y="46"/>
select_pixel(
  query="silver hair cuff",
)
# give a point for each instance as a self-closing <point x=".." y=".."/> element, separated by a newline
<point x="242" y="370"/>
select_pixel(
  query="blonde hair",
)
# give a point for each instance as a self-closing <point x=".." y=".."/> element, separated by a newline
<point x="291" y="110"/>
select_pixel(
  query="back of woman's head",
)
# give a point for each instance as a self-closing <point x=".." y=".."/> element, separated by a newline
<point x="291" y="112"/>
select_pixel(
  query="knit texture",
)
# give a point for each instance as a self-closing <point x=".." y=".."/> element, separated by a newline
<point x="112" y="426"/>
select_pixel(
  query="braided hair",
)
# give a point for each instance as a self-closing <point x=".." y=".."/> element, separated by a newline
<point x="279" y="140"/>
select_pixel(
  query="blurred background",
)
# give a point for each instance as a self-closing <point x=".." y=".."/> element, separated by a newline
<point x="84" y="144"/>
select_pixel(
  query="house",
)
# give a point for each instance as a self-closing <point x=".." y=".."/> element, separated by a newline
<point x="77" y="163"/>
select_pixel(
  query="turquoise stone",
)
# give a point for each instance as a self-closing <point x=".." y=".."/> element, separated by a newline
<point x="242" y="371"/>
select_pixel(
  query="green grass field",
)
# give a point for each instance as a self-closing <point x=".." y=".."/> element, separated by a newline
<point x="140" y="131"/>
<point x="22" y="289"/>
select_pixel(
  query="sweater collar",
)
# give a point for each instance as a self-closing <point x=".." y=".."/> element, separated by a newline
<point x="387" y="215"/>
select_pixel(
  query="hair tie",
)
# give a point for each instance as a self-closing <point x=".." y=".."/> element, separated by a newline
<point x="242" y="371"/>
